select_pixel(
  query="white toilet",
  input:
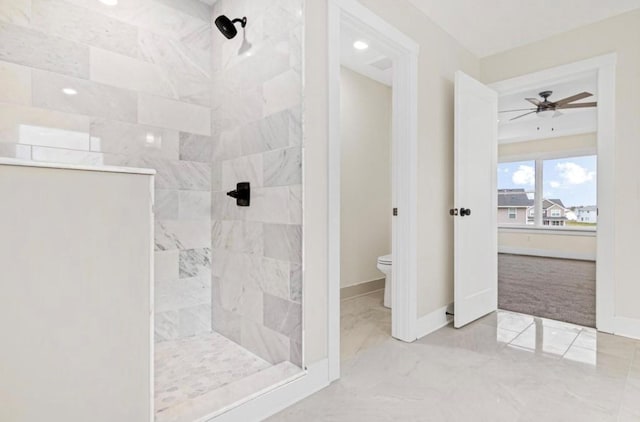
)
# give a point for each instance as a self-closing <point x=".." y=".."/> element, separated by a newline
<point x="384" y="265"/>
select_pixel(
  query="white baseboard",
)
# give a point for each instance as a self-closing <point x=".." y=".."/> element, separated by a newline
<point x="278" y="399"/>
<point x="547" y="253"/>
<point x="433" y="321"/>
<point x="627" y="327"/>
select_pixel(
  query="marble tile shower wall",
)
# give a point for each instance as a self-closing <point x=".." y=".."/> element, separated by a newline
<point x="83" y="82"/>
<point x="257" y="251"/>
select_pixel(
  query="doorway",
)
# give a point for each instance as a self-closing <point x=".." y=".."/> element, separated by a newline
<point x="403" y="53"/>
<point x="547" y="200"/>
<point x="604" y="69"/>
<point x="365" y="213"/>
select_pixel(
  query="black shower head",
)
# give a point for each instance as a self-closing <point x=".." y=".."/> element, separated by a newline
<point x="227" y="26"/>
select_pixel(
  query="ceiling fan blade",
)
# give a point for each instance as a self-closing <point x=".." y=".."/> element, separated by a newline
<point x="579" y="105"/>
<point x="534" y="101"/>
<point x="518" y="109"/>
<point x="573" y="98"/>
<point x="525" y="114"/>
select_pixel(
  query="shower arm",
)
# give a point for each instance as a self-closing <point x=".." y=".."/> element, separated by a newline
<point x="243" y="21"/>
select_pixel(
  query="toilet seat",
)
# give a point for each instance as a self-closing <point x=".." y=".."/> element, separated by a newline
<point x="385" y="260"/>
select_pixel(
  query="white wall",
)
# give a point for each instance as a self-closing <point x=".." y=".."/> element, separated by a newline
<point x="545" y="243"/>
<point x="316" y="127"/>
<point x="574" y="144"/>
<point x="365" y="120"/>
<point x="75" y="307"/>
<point x="440" y="57"/>
<point x="619" y="34"/>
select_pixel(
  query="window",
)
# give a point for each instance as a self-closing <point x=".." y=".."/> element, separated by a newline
<point x="567" y="196"/>
<point x="571" y="184"/>
<point x="516" y="189"/>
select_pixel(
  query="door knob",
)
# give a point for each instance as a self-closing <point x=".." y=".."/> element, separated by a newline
<point x="465" y="211"/>
<point x="453" y="211"/>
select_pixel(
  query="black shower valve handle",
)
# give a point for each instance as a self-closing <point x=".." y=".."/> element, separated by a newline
<point x="242" y="194"/>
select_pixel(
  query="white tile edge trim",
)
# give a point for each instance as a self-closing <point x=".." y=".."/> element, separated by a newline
<point x="547" y="253"/>
<point x="433" y="321"/>
<point x="627" y="327"/>
<point x="279" y="398"/>
<point x="105" y="169"/>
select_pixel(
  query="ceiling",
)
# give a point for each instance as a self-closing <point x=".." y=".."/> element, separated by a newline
<point x="371" y="62"/>
<point x="533" y="126"/>
<point x="487" y="27"/>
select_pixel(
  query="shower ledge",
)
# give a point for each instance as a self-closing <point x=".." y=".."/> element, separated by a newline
<point x="105" y="169"/>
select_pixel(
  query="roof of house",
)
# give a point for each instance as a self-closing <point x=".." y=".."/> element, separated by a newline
<point x="514" y="198"/>
<point x="518" y="198"/>
<point x="548" y="203"/>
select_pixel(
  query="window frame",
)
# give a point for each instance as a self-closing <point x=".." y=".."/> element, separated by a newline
<point x="538" y="211"/>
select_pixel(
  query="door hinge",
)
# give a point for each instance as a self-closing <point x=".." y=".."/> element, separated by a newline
<point x="395" y="211"/>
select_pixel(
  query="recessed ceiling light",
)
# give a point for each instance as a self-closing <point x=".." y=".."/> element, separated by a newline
<point x="360" y="45"/>
<point x="69" y="91"/>
<point x="109" y="2"/>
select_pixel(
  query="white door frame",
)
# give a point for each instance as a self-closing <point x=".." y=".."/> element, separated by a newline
<point x="605" y="67"/>
<point x="404" y="169"/>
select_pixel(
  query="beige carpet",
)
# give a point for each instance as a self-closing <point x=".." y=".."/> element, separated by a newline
<point x="560" y="289"/>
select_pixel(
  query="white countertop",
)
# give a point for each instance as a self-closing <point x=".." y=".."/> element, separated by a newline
<point x="106" y="169"/>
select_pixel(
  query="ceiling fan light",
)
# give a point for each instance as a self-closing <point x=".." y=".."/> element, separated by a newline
<point x="546" y="114"/>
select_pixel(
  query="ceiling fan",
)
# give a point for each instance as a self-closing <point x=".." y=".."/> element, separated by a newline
<point x="546" y="106"/>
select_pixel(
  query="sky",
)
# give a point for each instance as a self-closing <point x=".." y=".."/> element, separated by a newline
<point x="573" y="180"/>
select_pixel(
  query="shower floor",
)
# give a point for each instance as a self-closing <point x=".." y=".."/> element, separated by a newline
<point x="200" y="375"/>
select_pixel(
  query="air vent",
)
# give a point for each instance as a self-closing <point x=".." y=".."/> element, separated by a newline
<point x="384" y="63"/>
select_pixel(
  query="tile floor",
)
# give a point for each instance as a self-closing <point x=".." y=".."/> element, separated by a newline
<point x="200" y="375"/>
<point x="504" y="367"/>
<point x="364" y="323"/>
<point x="190" y="367"/>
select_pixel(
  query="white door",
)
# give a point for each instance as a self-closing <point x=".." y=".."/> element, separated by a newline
<point x="475" y="199"/>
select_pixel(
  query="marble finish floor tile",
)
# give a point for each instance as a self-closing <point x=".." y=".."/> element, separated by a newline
<point x="503" y="367"/>
<point x="216" y="402"/>
<point x="364" y="323"/>
<point x="189" y="368"/>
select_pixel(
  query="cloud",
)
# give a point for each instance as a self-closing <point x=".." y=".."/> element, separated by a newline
<point x="554" y="184"/>
<point x="574" y="174"/>
<point x="525" y="175"/>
